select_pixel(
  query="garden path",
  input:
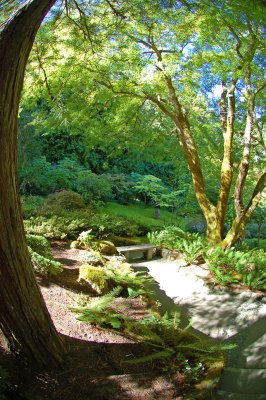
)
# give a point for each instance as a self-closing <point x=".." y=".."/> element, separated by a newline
<point x="220" y="314"/>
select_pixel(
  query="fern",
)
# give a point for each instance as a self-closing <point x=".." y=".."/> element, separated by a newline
<point x="98" y="311"/>
<point x="193" y="250"/>
<point x="132" y="293"/>
<point x="99" y="304"/>
<point x="127" y="278"/>
<point x="159" y="355"/>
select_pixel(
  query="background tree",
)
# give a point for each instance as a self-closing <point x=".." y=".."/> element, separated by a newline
<point x="153" y="56"/>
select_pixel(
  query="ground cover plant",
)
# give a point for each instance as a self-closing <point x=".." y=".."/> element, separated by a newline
<point x="234" y="266"/>
<point x="41" y="256"/>
<point x="245" y="265"/>
<point x="64" y="216"/>
<point x="191" y="245"/>
<point x="172" y="349"/>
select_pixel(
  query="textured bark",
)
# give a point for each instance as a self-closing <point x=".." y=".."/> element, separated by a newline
<point x="227" y="167"/>
<point x="245" y="162"/>
<point x="24" y="319"/>
<point x="238" y="227"/>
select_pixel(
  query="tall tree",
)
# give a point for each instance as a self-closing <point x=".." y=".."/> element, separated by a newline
<point x="174" y="56"/>
<point x="24" y="319"/>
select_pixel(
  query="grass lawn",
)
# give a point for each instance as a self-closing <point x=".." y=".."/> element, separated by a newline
<point x="142" y="215"/>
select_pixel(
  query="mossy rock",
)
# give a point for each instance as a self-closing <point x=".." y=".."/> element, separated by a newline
<point x="119" y="262"/>
<point x="76" y="245"/>
<point x="105" y="247"/>
<point x="93" y="257"/>
<point x="94" y="277"/>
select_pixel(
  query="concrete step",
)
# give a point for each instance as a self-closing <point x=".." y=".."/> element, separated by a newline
<point x="246" y="381"/>
<point x="222" y="395"/>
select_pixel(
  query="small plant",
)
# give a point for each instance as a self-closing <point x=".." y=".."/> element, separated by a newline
<point x="174" y="349"/>
<point x="41" y="256"/>
<point x="234" y="266"/>
<point x="193" y="251"/>
<point x="40" y="245"/>
<point x="190" y="244"/>
<point x="99" y="311"/>
<point x="133" y="283"/>
<point x="85" y="238"/>
<point x="45" y="266"/>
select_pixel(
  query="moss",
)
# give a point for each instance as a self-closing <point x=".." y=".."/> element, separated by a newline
<point x="105" y="247"/>
<point x="94" y="277"/>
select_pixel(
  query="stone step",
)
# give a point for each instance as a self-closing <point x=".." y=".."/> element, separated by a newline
<point x="222" y="395"/>
<point x="240" y="380"/>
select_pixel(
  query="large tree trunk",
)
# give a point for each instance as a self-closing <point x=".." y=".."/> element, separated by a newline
<point x="24" y="319"/>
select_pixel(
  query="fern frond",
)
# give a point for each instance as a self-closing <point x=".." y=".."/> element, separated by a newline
<point x="159" y="355"/>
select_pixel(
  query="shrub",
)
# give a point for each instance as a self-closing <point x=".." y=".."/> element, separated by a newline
<point x="249" y="244"/>
<point x="44" y="265"/>
<point x="65" y="199"/>
<point x="39" y="177"/>
<point x="196" y="224"/>
<point x="41" y="256"/>
<point x="121" y="187"/>
<point x="233" y="266"/>
<point x="31" y="205"/>
<point x="40" y="245"/>
<point x="104" y="226"/>
<point x="56" y="227"/>
<point x="170" y="237"/>
<point x="173" y="238"/>
<point x="92" y="187"/>
<point x="253" y="230"/>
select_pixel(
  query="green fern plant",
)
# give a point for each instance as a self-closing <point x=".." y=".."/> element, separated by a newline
<point x="233" y="266"/>
<point x="194" y="250"/>
<point x="131" y="281"/>
<point x="99" y="311"/>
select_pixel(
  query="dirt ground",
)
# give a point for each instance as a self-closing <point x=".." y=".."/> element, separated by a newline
<point x="95" y="367"/>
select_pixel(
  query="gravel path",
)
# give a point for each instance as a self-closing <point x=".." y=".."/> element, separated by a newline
<point x="228" y="316"/>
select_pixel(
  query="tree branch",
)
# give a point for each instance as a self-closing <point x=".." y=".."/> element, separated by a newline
<point x="245" y="162"/>
<point x="228" y="133"/>
<point x="256" y="196"/>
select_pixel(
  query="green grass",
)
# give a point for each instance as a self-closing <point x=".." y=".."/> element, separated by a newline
<point x="142" y="215"/>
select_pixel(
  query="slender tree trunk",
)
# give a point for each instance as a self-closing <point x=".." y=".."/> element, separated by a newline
<point x="238" y="227"/>
<point x="24" y="319"/>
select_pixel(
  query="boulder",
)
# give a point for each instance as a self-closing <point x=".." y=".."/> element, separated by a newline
<point x="93" y="257"/>
<point x="76" y="245"/>
<point x="106" y="247"/>
<point x="95" y="278"/>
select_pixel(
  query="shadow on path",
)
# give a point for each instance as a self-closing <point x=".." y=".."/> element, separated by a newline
<point x="220" y="315"/>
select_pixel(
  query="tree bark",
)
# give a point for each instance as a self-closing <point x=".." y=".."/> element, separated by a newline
<point x="24" y="319"/>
